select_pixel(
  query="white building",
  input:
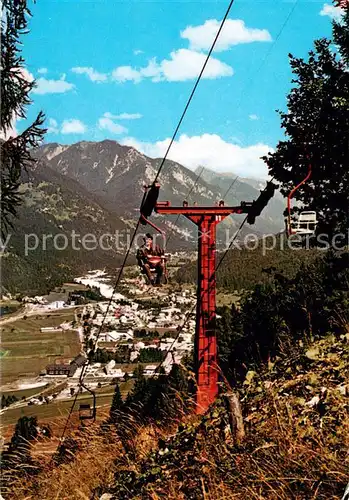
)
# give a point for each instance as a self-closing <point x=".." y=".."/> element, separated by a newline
<point x="51" y="329"/>
<point x="115" y="336"/>
<point x="134" y="355"/>
<point x="109" y="366"/>
<point x="117" y="373"/>
<point x="57" y="304"/>
<point x="150" y="369"/>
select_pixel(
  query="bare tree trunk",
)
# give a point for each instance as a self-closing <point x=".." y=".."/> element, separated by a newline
<point x="235" y="417"/>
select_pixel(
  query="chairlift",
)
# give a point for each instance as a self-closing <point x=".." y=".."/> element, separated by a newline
<point x="148" y="205"/>
<point x="86" y="412"/>
<point x="155" y="260"/>
<point x="149" y="201"/>
<point x="306" y="223"/>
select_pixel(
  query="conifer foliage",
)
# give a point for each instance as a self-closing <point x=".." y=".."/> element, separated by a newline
<point x="17" y="458"/>
<point x="277" y="316"/>
<point x="316" y="126"/>
<point x="116" y="405"/>
<point x="16" y="85"/>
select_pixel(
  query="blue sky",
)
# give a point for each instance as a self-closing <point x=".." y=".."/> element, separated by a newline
<point x="123" y="70"/>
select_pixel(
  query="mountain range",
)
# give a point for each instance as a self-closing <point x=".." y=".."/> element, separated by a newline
<point x="95" y="188"/>
<point x="115" y="174"/>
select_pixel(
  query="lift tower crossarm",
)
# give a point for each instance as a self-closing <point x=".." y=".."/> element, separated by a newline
<point x="205" y="350"/>
<point x="165" y="208"/>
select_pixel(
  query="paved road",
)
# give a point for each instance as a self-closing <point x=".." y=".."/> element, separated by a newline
<point x="28" y="311"/>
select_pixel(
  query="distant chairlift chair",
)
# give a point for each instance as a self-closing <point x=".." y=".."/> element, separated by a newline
<point x="305" y="225"/>
<point x="86" y="412"/>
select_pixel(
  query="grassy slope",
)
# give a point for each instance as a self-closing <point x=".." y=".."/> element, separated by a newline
<point x="297" y="425"/>
<point x="292" y="449"/>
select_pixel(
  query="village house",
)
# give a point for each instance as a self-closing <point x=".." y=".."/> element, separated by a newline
<point x="149" y="370"/>
<point x="51" y="329"/>
<point x="58" y="370"/>
<point x="115" y="336"/>
<point x="66" y="369"/>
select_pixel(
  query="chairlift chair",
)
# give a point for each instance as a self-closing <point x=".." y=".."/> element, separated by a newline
<point x="306" y="224"/>
<point x="149" y="201"/>
<point x="85" y="408"/>
<point x="86" y="412"/>
<point x="156" y="259"/>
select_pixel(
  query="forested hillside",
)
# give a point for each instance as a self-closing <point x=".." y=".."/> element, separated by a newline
<point x="42" y="250"/>
<point x="242" y="269"/>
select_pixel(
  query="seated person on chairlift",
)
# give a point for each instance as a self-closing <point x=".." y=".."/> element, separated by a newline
<point x="149" y="257"/>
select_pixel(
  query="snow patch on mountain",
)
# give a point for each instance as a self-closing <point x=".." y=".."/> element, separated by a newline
<point x="124" y="170"/>
<point x="150" y="172"/>
<point x="181" y="178"/>
<point x="132" y="154"/>
<point x="110" y="174"/>
<point x="56" y="151"/>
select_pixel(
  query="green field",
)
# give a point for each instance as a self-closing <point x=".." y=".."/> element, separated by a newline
<point x="29" y="350"/>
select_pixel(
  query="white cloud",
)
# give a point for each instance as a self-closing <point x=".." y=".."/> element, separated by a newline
<point x="126" y="73"/>
<point x="73" y="126"/>
<point x="123" y="116"/>
<point x="45" y="86"/>
<point x="92" y="74"/>
<point x="52" y="126"/>
<point x="234" y="32"/>
<point x="211" y="151"/>
<point x="42" y="71"/>
<point x="137" y="52"/>
<point x="253" y="117"/>
<point x="106" y="123"/>
<point x="331" y="11"/>
<point x="184" y="64"/>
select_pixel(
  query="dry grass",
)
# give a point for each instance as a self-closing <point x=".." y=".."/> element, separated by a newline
<point x="278" y="461"/>
<point x="291" y="459"/>
<point x="93" y="465"/>
<point x="293" y="450"/>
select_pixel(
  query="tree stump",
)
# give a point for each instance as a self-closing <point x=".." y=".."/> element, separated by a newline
<point x="236" y="421"/>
